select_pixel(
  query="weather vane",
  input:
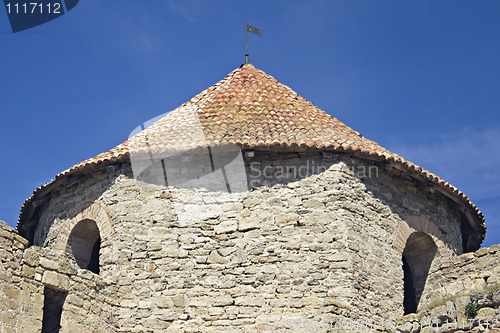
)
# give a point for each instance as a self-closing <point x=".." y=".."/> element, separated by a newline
<point x="254" y="30"/>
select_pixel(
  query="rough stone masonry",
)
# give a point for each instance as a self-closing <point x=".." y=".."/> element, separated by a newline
<point x="331" y="233"/>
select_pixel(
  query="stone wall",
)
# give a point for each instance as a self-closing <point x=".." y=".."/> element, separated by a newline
<point x="474" y="312"/>
<point x="469" y="279"/>
<point x="28" y="274"/>
<point x="465" y="273"/>
<point x="20" y="301"/>
<point x="311" y="242"/>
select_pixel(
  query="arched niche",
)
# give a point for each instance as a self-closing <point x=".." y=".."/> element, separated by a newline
<point x="85" y="227"/>
<point x="416" y="223"/>
<point x="418" y="255"/>
<point x="84" y="243"/>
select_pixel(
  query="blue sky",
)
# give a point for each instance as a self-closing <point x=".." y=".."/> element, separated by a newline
<point x="421" y="78"/>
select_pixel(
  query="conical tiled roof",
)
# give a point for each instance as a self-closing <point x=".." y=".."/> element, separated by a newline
<point x="253" y="110"/>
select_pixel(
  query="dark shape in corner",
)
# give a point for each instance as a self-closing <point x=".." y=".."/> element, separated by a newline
<point x="70" y="4"/>
<point x="25" y="14"/>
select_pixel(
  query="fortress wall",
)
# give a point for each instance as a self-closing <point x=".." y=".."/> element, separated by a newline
<point x="19" y="304"/>
<point x="269" y="259"/>
<point x="25" y="273"/>
<point x="394" y="188"/>
<point x="293" y="251"/>
<point x="470" y="280"/>
<point x="466" y="273"/>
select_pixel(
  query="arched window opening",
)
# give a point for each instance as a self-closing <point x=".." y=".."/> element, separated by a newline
<point x="419" y="252"/>
<point x="84" y="244"/>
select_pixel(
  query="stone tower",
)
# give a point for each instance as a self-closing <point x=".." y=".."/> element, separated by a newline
<point x="246" y="209"/>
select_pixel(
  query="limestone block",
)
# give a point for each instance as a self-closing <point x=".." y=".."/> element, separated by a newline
<point x="128" y="303"/>
<point x="336" y="257"/>
<point x="493" y="279"/>
<point x="496" y="298"/>
<point x="164" y="302"/>
<point x="239" y="257"/>
<point x="28" y="272"/>
<point x="177" y="253"/>
<point x="199" y="302"/>
<point x="313" y="301"/>
<point x="10" y="291"/>
<point x="460" y="304"/>
<point x="249" y="301"/>
<point x="245" y="213"/>
<point x="154" y="246"/>
<point x="454" y="288"/>
<point x="286" y="219"/>
<point x="223" y="300"/>
<point x="451" y="310"/>
<point x="226" y="226"/>
<point x="179" y="301"/>
<point x="216" y="258"/>
<point x="486" y="314"/>
<point x="75" y="300"/>
<point x="166" y="315"/>
<point x="31" y="256"/>
<point x="20" y="242"/>
<point x="291" y="246"/>
<point x="28" y="325"/>
<point x="66" y="268"/>
<point x="48" y="264"/>
<point x="55" y="280"/>
<point x="481" y="252"/>
<point x="462" y="259"/>
<point x="201" y="259"/>
<point x="295" y="302"/>
<point x="408" y="323"/>
<point x="314" y="204"/>
<point x="485" y="262"/>
<point x="248" y="224"/>
<point x="215" y="311"/>
<point x="159" y="254"/>
<point x="440" y="314"/>
<point x="154" y="323"/>
<point x="175" y="328"/>
<point x="495" y="248"/>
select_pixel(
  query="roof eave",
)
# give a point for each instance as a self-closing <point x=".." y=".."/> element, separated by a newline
<point x="474" y="216"/>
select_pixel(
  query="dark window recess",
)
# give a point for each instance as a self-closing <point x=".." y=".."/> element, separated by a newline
<point x="419" y="252"/>
<point x="84" y="244"/>
<point x="52" y="309"/>
<point x="409" y="303"/>
<point x="94" y="258"/>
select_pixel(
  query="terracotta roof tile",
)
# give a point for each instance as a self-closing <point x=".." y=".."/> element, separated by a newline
<point x="253" y="110"/>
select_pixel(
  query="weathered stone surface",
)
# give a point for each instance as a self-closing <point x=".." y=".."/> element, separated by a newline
<point x="216" y="258"/>
<point x="179" y="301"/>
<point x="318" y="247"/>
<point x="486" y="313"/>
<point x="31" y="257"/>
<point x="226" y="226"/>
<point x="286" y="219"/>
<point x="56" y="280"/>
